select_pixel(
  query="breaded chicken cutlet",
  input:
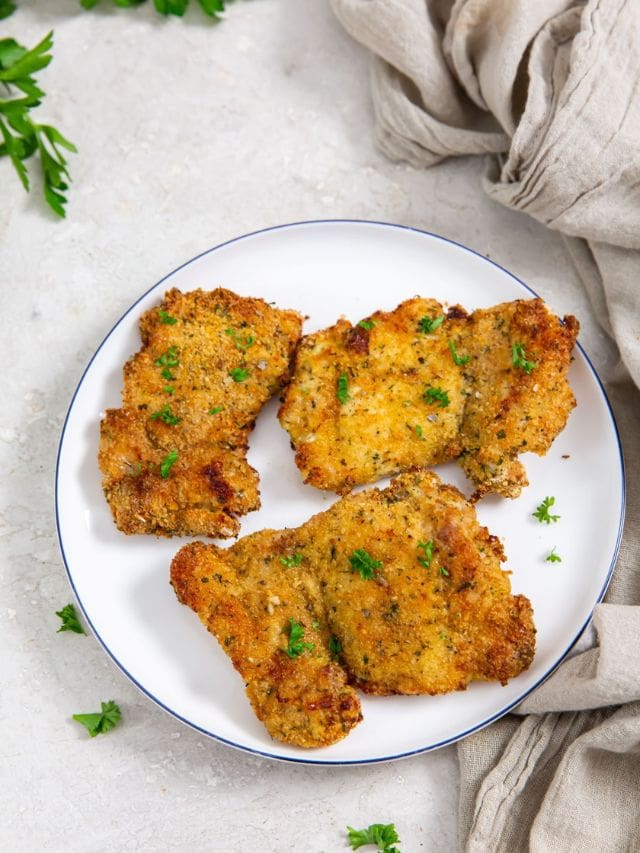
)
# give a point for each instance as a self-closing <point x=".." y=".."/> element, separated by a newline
<point x="519" y="398"/>
<point x="420" y="385"/>
<point x="395" y="591"/>
<point x="173" y="458"/>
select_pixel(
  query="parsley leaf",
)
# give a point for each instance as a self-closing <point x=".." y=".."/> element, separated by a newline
<point x="167" y="463"/>
<point x="460" y="360"/>
<point x="553" y="557"/>
<point x="418" y="430"/>
<point x="519" y="358"/>
<point x="335" y="647"/>
<point x="292" y="560"/>
<point x="20" y="136"/>
<point x="102" y="721"/>
<point x="70" y="621"/>
<point x="165" y="415"/>
<point x="216" y="410"/>
<point x="242" y="343"/>
<point x="542" y="511"/>
<point x="361" y="561"/>
<point x="436" y="395"/>
<point x="7" y="7"/>
<point x="367" y="325"/>
<point x="429" y="324"/>
<point x="443" y="571"/>
<point x="380" y="834"/>
<point x="168" y="359"/>
<point x="342" y="391"/>
<point x="427" y="547"/>
<point x="167" y="319"/>
<point x="239" y="374"/>
<point x="212" y="8"/>
<point x="295" y="646"/>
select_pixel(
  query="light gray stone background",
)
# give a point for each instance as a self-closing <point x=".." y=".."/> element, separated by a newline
<point x="188" y="134"/>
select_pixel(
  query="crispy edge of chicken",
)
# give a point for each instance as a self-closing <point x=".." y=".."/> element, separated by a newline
<point x="173" y="458"/>
<point x="418" y="619"/>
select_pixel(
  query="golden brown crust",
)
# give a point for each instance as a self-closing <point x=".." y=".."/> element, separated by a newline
<point x="409" y="628"/>
<point x="494" y="409"/>
<point x="171" y="386"/>
<point x="246" y="597"/>
<point x="509" y="410"/>
<point x="385" y="425"/>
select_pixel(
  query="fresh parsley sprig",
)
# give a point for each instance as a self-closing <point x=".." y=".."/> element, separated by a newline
<point x="542" y="511"/>
<point x="212" y="8"/>
<point x="427" y="325"/>
<point x="519" y="358"/>
<point x="436" y="395"/>
<point x="553" y="557"/>
<point x="7" y="7"/>
<point x="427" y="548"/>
<point x="167" y="463"/>
<point x="21" y="137"/>
<point x="70" y="621"/>
<point x="342" y="389"/>
<point x="362" y="562"/>
<point x="102" y="721"/>
<point x="292" y="560"/>
<point x="460" y="360"/>
<point x="380" y="834"/>
<point x="296" y="646"/>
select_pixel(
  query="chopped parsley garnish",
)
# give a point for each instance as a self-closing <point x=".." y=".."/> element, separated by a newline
<point x="553" y="557"/>
<point x="430" y="324"/>
<point x="295" y="646"/>
<point x="444" y="572"/>
<point x="342" y="391"/>
<point x="166" y="416"/>
<point x="519" y="358"/>
<point x="292" y="560"/>
<point x="216" y="410"/>
<point x="242" y="342"/>
<point x="167" y="374"/>
<point x="367" y="324"/>
<point x="167" y="463"/>
<point x="335" y="647"/>
<point x="239" y="374"/>
<point x="169" y="358"/>
<point x="459" y="359"/>
<point x="168" y="389"/>
<point x="102" y="721"/>
<point x="542" y="512"/>
<point x="361" y="561"/>
<point x="380" y="834"/>
<point x="427" y="547"/>
<point x="436" y="395"/>
<point x="418" y="430"/>
<point x="70" y="621"/>
<point x="167" y="319"/>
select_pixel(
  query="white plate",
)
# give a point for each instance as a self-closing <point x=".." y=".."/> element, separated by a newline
<point x="325" y="269"/>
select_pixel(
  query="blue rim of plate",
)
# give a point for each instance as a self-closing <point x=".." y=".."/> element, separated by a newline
<point x="309" y="761"/>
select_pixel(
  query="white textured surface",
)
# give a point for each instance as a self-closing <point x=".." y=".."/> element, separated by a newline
<point x="189" y="135"/>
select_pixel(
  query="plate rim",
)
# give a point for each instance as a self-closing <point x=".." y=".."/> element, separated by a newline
<point x="327" y="762"/>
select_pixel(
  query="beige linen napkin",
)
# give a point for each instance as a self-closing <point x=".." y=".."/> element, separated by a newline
<point x="550" y="88"/>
